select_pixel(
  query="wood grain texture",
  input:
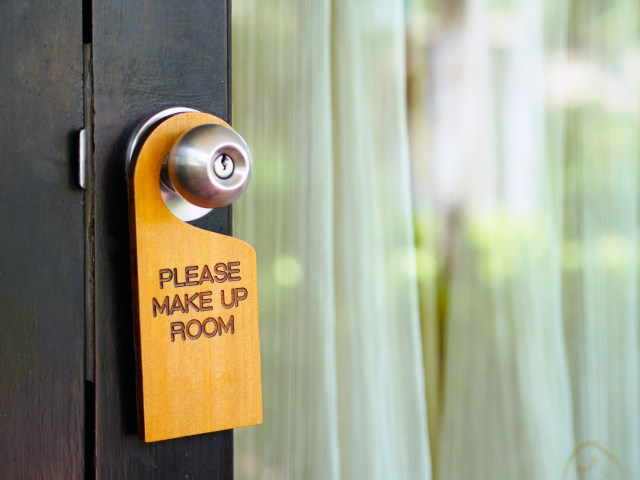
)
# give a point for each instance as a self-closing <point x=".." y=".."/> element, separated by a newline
<point x="41" y="241"/>
<point x="197" y="350"/>
<point x="147" y="56"/>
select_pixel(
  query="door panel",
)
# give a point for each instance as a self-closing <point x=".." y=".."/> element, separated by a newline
<point x="41" y="241"/>
<point x="146" y="57"/>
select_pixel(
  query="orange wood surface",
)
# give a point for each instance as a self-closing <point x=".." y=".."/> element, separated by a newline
<point x="189" y="385"/>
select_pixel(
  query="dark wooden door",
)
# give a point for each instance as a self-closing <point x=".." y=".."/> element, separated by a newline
<point x="41" y="242"/>
<point x="67" y="370"/>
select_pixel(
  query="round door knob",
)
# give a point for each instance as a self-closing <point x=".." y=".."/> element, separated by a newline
<point x="209" y="166"/>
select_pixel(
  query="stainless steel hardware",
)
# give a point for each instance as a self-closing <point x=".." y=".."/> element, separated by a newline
<point x="209" y="166"/>
<point x="82" y="159"/>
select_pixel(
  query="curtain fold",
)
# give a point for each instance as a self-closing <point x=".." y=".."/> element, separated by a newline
<point x="601" y="209"/>
<point x="282" y="106"/>
<point x="319" y="94"/>
<point x="380" y="381"/>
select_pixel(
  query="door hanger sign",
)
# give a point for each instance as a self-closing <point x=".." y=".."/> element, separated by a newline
<point x="195" y="292"/>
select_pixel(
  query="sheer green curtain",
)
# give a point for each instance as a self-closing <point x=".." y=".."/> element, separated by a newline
<point x="525" y="142"/>
<point x="485" y="326"/>
<point x="319" y="94"/>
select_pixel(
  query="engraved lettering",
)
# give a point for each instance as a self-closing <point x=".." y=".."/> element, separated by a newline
<point x="205" y="276"/>
<point x="224" y="304"/>
<point x="157" y="308"/>
<point x="175" y="279"/>
<point x="176" y="305"/>
<point x="221" y="272"/>
<point x="165" y="276"/>
<point x="241" y="294"/>
<point x="188" y="301"/>
<point x="205" y="300"/>
<point x="177" y="328"/>
<point x="212" y="321"/>
<point x="231" y="271"/>
<point x="225" y="328"/>
<point x="195" y="275"/>
<point x="237" y="295"/>
<point x="198" y="302"/>
<point x="193" y="336"/>
<point x="194" y="329"/>
<point x="188" y="275"/>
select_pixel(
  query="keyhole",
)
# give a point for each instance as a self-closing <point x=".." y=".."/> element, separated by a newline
<point x="223" y="166"/>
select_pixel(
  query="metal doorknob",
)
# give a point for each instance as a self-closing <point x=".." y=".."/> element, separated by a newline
<point x="209" y="166"/>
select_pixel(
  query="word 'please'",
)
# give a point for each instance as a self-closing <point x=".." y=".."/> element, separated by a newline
<point x="195" y="275"/>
